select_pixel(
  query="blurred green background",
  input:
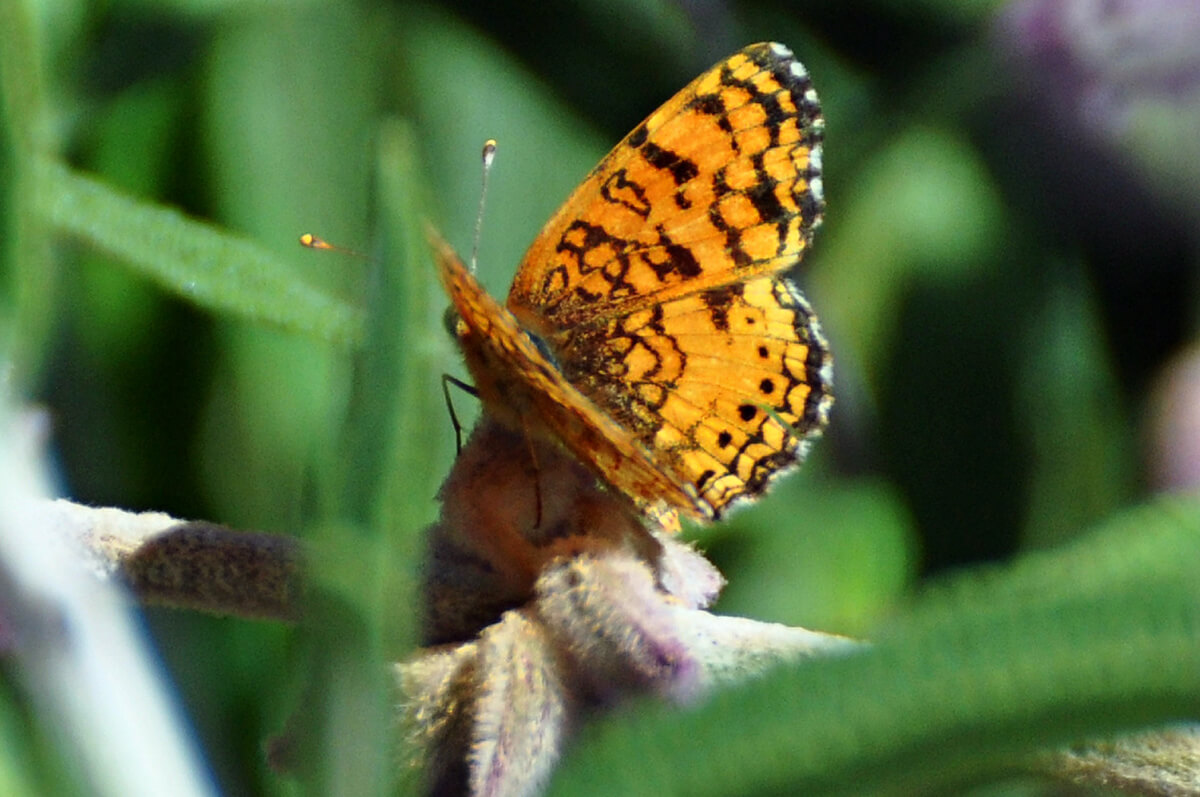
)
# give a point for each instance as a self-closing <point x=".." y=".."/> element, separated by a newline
<point x="1003" y="282"/>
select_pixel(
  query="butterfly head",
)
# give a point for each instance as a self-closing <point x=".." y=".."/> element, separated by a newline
<point x="453" y="323"/>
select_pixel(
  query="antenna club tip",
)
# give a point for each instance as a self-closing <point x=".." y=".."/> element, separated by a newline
<point x="313" y="242"/>
<point x="489" y="150"/>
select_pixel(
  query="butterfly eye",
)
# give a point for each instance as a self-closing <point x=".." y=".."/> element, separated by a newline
<point x="543" y="347"/>
<point x="453" y="324"/>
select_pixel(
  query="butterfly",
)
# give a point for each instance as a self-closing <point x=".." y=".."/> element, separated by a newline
<point x="650" y="328"/>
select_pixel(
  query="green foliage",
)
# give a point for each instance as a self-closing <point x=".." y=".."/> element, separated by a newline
<point x="214" y="270"/>
<point x="158" y="162"/>
<point x="1099" y="637"/>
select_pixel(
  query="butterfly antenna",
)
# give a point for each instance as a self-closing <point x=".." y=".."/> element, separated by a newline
<point x="489" y="155"/>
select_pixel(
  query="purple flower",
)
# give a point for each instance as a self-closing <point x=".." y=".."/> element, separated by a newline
<point x="1124" y="72"/>
<point x="1175" y="425"/>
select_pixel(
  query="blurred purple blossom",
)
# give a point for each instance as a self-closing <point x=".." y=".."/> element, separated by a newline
<point x="1124" y="72"/>
<point x="1175" y="425"/>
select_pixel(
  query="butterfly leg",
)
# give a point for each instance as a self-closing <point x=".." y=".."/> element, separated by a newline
<point x="537" y="481"/>
<point x="448" y="380"/>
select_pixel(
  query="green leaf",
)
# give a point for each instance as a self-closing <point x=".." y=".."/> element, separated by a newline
<point x="1080" y="442"/>
<point x="211" y="268"/>
<point x="28" y="276"/>
<point x="1098" y="637"/>
<point x="394" y="449"/>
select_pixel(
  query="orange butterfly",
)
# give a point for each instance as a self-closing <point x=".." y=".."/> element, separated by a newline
<point x="650" y="328"/>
